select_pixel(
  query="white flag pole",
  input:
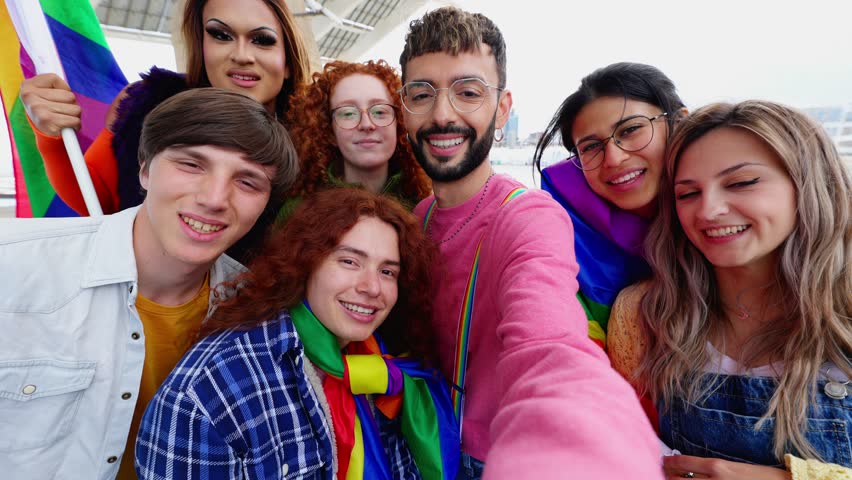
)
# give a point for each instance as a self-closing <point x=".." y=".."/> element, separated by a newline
<point x="34" y="34"/>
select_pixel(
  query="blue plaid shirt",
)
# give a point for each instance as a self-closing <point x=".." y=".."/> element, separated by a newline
<point x="239" y="406"/>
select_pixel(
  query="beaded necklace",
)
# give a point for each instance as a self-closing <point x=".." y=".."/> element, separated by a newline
<point x="466" y="220"/>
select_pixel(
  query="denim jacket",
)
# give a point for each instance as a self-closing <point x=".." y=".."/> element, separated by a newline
<point x="72" y="345"/>
<point x="724" y="424"/>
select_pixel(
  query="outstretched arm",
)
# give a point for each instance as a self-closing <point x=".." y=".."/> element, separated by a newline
<point x="597" y="332"/>
<point x="563" y="408"/>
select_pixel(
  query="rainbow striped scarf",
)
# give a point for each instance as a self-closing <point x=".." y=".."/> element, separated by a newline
<point x="402" y="387"/>
<point x="607" y="243"/>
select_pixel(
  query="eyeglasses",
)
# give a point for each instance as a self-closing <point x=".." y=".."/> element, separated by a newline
<point x="348" y="117"/>
<point x="466" y="95"/>
<point x="631" y="135"/>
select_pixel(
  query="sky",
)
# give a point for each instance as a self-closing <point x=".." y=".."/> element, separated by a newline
<point x="797" y="52"/>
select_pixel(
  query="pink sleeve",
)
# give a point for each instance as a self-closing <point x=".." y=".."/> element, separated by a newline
<point x="564" y="411"/>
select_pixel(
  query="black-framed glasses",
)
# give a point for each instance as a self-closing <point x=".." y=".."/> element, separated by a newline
<point x="348" y="117"/>
<point x="466" y="95"/>
<point x="631" y="135"/>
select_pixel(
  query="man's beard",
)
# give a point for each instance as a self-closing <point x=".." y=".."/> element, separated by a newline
<point x="476" y="154"/>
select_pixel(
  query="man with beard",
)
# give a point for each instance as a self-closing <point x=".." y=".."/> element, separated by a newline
<point x="537" y="398"/>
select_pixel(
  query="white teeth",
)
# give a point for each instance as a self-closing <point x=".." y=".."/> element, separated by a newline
<point x="725" y="231"/>
<point x="358" y="309"/>
<point x="243" y="77"/>
<point x="201" y="227"/>
<point x="628" y="177"/>
<point x="447" y="143"/>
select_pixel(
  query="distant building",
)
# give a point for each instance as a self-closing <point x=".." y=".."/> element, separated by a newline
<point x="837" y="121"/>
<point x="510" y="131"/>
<point x="533" y="138"/>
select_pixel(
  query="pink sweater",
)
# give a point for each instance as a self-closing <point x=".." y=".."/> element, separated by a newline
<point x="541" y="398"/>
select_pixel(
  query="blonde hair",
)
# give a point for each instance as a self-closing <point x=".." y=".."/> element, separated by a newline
<point x="682" y="309"/>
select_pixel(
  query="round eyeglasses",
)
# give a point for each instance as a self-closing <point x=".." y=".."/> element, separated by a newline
<point x="466" y="95"/>
<point x="348" y="117"/>
<point x="631" y="135"/>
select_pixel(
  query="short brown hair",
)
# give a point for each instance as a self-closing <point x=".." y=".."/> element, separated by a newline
<point x="452" y="30"/>
<point x="298" y="61"/>
<point x="214" y="116"/>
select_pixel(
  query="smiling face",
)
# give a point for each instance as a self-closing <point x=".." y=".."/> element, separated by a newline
<point x="244" y="49"/>
<point x="628" y="180"/>
<point x="200" y="200"/>
<point x="367" y="148"/>
<point x="449" y="145"/>
<point x="735" y="201"/>
<point x="354" y="288"/>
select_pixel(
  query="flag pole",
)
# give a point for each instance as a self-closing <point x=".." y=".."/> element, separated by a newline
<point x="34" y="34"/>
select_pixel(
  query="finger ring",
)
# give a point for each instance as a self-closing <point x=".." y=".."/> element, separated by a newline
<point x="688" y="475"/>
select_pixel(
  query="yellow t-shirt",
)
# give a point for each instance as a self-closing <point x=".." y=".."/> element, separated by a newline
<point x="169" y="333"/>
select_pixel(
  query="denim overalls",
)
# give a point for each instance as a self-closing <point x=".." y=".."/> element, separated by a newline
<point x="722" y="426"/>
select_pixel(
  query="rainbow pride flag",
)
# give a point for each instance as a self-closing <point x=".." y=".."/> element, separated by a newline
<point x="403" y="388"/>
<point x="91" y="71"/>
<point x="607" y="242"/>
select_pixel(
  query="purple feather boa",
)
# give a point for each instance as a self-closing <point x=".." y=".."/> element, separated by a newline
<point x="156" y="86"/>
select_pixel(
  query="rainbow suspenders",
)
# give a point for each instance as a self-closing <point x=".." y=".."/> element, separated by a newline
<point x="466" y="314"/>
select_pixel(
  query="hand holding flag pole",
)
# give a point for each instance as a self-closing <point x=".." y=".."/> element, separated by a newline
<point x="29" y="21"/>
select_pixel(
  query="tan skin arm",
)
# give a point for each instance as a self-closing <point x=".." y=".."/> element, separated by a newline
<point x="717" y="469"/>
<point x="50" y="104"/>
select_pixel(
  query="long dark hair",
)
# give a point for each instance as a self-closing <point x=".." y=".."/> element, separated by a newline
<point x="633" y="81"/>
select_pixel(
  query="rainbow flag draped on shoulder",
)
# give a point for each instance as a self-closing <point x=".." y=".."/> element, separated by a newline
<point x="90" y="70"/>
<point x="403" y="388"/>
<point x="607" y="242"/>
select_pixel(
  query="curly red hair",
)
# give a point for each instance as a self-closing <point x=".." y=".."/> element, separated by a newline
<point x="309" y="124"/>
<point x="277" y="278"/>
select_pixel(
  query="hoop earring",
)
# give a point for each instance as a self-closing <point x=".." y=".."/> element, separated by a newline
<point x="498" y="135"/>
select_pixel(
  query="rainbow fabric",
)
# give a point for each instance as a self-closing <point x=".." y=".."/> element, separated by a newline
<point x="90" y="70"/>
<point x="607" y="243"/>
<point x="466" y="314"/>
<point x="403" y="388"/>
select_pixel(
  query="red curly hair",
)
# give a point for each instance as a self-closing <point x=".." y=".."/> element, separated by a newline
<point x="309" y="125"/>
<point x="277" y="277"/>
